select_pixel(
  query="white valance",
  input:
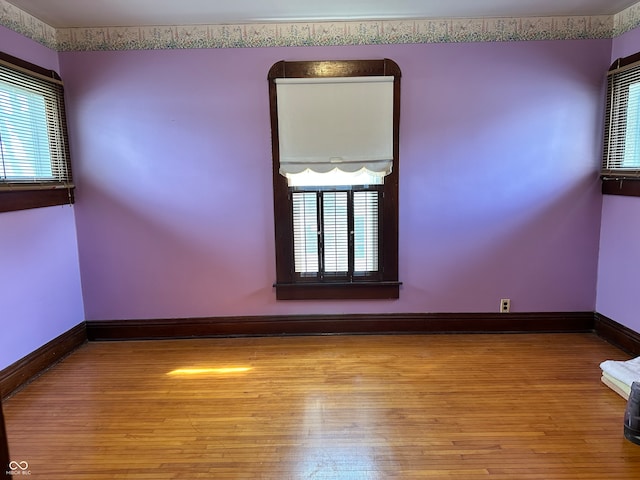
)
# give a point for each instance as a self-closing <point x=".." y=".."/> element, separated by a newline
<point x="335" y="122"/>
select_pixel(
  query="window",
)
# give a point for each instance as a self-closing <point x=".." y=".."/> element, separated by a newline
<point x="336" y="233"/>
<point x="621" y="157"/>
<point x="34" y="157"/>
<point x="335" y="178"/>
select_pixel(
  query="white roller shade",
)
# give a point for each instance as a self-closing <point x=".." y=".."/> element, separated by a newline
<point x="335" y="122"/>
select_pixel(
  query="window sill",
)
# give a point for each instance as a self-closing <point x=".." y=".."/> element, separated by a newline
<point x="629" y="187"/>
<point x="338" y="291"/>
<point x="12" y="200"/>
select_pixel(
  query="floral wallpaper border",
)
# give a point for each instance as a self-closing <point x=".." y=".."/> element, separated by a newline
<point x="19" y="21"/>
<point x="626" y="20"/>
<point x="335" y="33"/>
<point x="434" y="30"/>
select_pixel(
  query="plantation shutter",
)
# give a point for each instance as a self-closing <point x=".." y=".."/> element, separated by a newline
<point x="621" y="156"/>
<point x="305" y="232"/>
<point x="33" y="135"/>
<point x="335" y="219"/>
<point x="365" y="231"/>
<point x="336" y="233"/>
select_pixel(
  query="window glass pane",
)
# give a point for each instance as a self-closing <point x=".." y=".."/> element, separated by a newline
<point x="365" y="223"/>
<point x="632" y="131"/>
<point x="336" y="232"/>
<point x="305" y="232"/>
<point x="24" y="139"/>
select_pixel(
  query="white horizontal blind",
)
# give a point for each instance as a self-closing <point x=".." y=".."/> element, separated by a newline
<point x="33" y="136"/>
<point x="305" y="232"/>
<point x="621" y="156"/>
<point x="335" y="122"/>
<point x="336" y="232"/>
<point x="365" y="231"/>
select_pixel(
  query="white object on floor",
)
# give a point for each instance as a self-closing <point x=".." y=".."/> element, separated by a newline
<point x="625" y="371"/>
<point x="617" y="386"/>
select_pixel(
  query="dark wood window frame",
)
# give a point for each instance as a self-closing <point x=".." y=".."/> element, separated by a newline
<point x="41" y="195"/>
<point x="287" y="287"/>
<point x="620" y="185"/>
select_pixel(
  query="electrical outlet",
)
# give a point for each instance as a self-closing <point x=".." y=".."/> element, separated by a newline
<point x="505" y="305"/>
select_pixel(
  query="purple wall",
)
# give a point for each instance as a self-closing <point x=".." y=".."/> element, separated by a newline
<point x="499" y="191"/>
<point x="40" y="293"/>
<point x="619" y="260"/>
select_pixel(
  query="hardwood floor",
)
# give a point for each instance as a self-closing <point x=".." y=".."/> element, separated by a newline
<point x="327" y="407"/>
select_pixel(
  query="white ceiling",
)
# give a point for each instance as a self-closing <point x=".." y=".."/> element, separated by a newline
<point x="115" y="13"/>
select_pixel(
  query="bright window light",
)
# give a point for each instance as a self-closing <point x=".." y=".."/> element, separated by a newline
<point x="632" y="135"/>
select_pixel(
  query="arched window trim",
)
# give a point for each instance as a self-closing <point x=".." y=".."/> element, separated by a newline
<point x="287" y="287"/>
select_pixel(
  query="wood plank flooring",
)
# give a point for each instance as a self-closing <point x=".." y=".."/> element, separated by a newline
<point x="327" y="407"/>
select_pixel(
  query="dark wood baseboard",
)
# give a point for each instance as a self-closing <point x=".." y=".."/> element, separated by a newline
<point x="617" y="334"/>
<point x="20" y="372"/>
<point x="341" y="324"/>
